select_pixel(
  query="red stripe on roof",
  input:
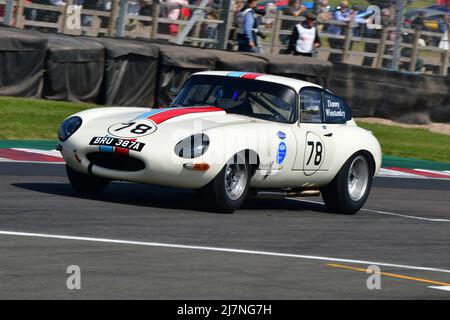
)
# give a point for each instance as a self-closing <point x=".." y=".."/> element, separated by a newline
<point x="251" y="75"/>
<point x="169" y="114"/>
<point x="420" y="173"/>
<point x="17" y="155"/>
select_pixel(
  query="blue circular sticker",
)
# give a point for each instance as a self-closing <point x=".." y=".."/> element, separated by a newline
<point x="281" y="135"/>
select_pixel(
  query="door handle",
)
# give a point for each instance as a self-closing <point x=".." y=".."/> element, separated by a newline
<point x="328" y="134"/>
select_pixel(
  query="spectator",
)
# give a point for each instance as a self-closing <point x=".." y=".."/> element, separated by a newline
<point x="324" y="14"/>
<point x="257" y="32"/>
<point x="146" y="10"/>
<point x="324" y="11"/>
<point x="418" y="22"/>
<point x="237" y="6"/>
<point x="444" y="27"/>
<point x="209" y="29"/>
<point x="343" y="14"/>
<point x="294" y="8"/>
<point x="246" y="24"/>
<point x="305" y="38"/>
<point x="174" y="13"/>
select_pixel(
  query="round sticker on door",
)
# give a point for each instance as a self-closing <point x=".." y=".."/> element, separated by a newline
<point x="314" y="153"/>
<point x="134" y="129"/>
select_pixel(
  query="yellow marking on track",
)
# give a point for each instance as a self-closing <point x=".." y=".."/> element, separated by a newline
<point x="393" y="275"/>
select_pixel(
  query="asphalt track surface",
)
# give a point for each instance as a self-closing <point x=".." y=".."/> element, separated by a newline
<point x="179" y="250"/>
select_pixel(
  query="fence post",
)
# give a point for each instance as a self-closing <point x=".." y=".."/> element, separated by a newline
<point x="445" y="55"/>
<point x="9" y="8"/>
<point x="400" y="18"/>
<point x="415" y="50"/>
<point x="196" y="32"/>
<point x="113" y="18"/>
<point x="348" y="41"/>
<point x="155" y="17"/>
<point x="276" y="31"/>
<point x="227" y="16"/>
<point x="381" y="48"/>
<point x="19" y="14"/>
<point x="123" y="13"/>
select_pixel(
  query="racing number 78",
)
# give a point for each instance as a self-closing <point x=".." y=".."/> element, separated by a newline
<point x="140" y="128"/>
<point x="318" y="148"/>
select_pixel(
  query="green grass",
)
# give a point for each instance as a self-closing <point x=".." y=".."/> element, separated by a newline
<point x="33" y="118"/>
<point x="411" y="143"/>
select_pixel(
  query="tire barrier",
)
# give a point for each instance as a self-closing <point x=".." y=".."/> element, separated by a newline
<point x="22" y="58"/>
<point x="399" y="96"/>
<point x="73" y="70"/>
<point x="148" y="73"/>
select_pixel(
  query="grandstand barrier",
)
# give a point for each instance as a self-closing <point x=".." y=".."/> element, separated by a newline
<point x="145" y="72"/>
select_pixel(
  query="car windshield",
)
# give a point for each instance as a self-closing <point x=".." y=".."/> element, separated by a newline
<point x="253" y="98"/>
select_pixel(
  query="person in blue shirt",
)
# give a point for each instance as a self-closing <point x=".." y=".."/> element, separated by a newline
<point x="246" y="26"/>
<point x="343" y="14"/>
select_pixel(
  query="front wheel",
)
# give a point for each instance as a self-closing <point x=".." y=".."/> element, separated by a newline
<point x="85" y="184"/>
<point x="349" y="190"/>
<point x="229" y="189"/>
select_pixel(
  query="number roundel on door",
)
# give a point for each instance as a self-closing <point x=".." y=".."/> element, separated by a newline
<point x="134" y="129"/>
<point x="314" y="153"/>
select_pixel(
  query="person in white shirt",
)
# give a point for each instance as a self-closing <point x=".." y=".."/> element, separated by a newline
<point x="305" y="38"/>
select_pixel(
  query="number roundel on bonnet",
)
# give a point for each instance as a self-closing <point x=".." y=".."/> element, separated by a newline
<point x="133" y="129"/>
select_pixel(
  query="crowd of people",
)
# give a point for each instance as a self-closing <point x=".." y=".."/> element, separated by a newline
<point x="295" y="36"/>
<point x="303" y="38"/>
<point x="170" y="9"/>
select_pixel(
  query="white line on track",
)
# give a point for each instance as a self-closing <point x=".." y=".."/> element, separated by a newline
<point x="25" y="161"/>
<point x="216" y="249"/>
<point x="434" y="171"/>
<point x="383" y="212"/>
<point x="405" y="216"/>
<point x="52" y="153"/>
<point x="445" y="288"/>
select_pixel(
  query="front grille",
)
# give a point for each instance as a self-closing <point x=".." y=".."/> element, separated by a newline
<point x="115" y="161"/>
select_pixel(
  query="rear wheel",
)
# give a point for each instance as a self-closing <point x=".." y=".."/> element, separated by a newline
<point x="229" y="189"/>
<point x="349" y="190"/>
<point x="86" y="184"/>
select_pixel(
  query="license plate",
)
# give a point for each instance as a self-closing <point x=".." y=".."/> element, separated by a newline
<point x="116" y="142"/>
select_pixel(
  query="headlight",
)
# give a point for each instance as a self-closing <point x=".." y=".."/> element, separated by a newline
<point x="69" y="127"/>
<point x="193" y="146"/>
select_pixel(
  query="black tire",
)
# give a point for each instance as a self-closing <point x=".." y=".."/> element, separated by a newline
<point x="219" y="198"/>
<point x="86" y="184"/>
<point x="336" y="194"/>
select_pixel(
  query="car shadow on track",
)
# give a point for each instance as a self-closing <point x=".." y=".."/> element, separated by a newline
<point x="165" y="197"/>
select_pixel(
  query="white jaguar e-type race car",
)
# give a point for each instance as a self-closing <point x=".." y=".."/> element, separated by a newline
<point x="230" y="135"/>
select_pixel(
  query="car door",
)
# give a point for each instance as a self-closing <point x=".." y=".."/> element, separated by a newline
<point x="315" y="141"/>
